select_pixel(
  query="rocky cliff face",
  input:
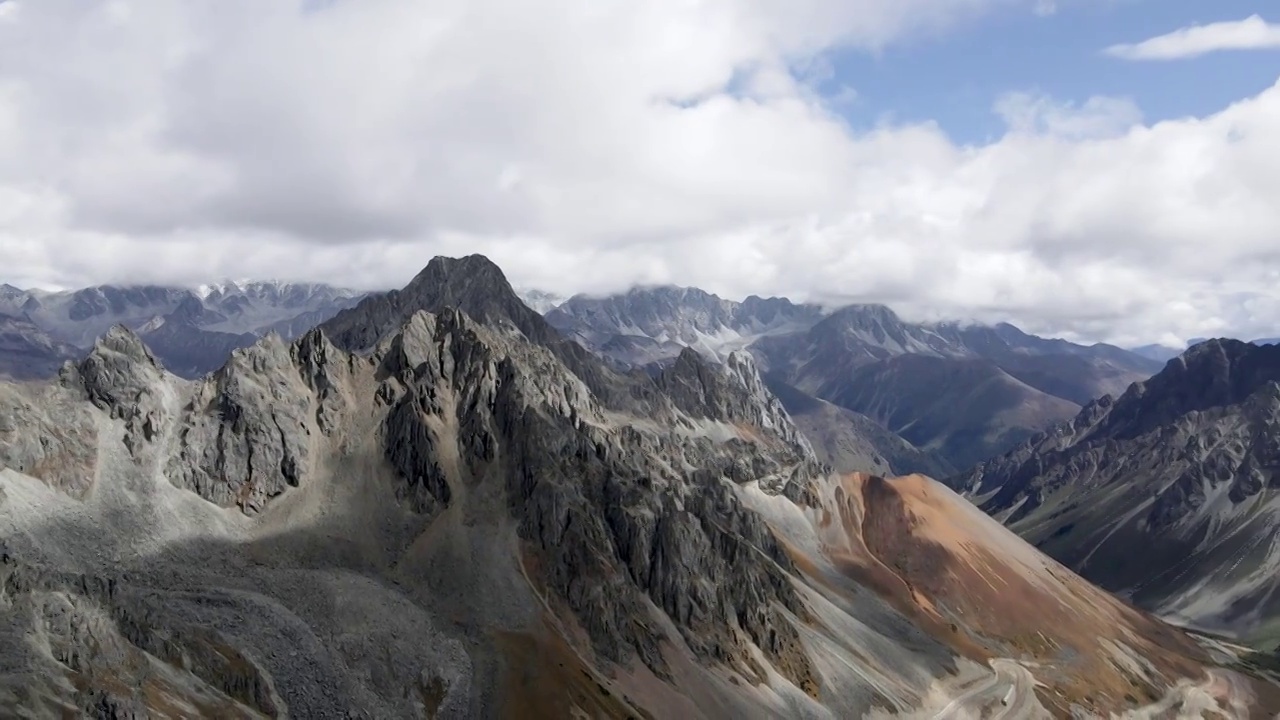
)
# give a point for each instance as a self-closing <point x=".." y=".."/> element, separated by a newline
<point x="433" y="514"/>
<point x="1181" y="466"/>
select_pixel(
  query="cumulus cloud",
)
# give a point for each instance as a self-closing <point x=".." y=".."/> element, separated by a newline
<point x="589" y="146"/>
<point x="1252" y="33"/>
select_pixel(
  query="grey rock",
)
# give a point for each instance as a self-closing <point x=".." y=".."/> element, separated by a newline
<point x="1181" y="466"/>
<point x="245" y="435"/>
<point x="121" y="377"/>
<point x="60" y="452"/>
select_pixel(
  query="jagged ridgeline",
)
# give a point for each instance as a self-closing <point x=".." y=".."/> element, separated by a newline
<point x="1185" y="466"/>
<point x="433" y="505"/>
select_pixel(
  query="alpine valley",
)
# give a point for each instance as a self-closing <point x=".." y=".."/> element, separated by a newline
<point x="295" y="501"/>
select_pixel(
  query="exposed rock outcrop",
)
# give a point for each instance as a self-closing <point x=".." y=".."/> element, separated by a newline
<point x="121" y="377"/>
<point x="61" y="452"/>
<point x="245" y="435"/>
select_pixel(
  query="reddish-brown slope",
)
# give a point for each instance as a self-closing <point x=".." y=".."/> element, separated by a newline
<point x="967" y="579"/>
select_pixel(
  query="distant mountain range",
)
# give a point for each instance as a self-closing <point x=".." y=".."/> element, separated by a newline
<point x="1168" y="494"/>
<point x="955" y="393"/>
<point x="893" y="396"/>
<point x="192" y="331"/>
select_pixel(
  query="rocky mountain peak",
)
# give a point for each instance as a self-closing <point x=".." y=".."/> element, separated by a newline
<point x="13" y="295"/>
<point x="473" y="284"/>
<point x="460" y="279"/>
<point x="120" y="347"/>
<point x="444" y="477"/>
<point x="775" y="310"/>
<point x="734" y="393"/>
<point x="1211" y="374"/>
<point x="122" y="377"/>
<point x="1218" y="352"/>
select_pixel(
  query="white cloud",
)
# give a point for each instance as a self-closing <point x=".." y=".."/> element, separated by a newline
<point x="1097" y="117"/>
<point x="1252" y="33"/>
<point x="587" y="146"/>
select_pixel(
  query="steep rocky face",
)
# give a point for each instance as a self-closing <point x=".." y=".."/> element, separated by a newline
<point x="244" y="435"/>
<point x="452" y="522"/>
<point x="58" y="448"/>
<point x="121" y="377"/>
<point x="1182" y="466"/>
<point x="465" y="405"/>
<point x="734" y="392"/>
<point x="472" y="284"/>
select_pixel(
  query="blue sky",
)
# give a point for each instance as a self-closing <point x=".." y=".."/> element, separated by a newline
<point x="955" y="78"/>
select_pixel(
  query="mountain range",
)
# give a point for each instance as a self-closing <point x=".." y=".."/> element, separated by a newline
<point x="873" y="392"/>
<point x="1184" y="466"/>
<point x="192" y="331"/>
<point x="436" y="505"/>
<point x="956" y="393"/>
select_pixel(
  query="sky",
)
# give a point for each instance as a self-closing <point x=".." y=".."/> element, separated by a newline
<point x="1092" y="169"/>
